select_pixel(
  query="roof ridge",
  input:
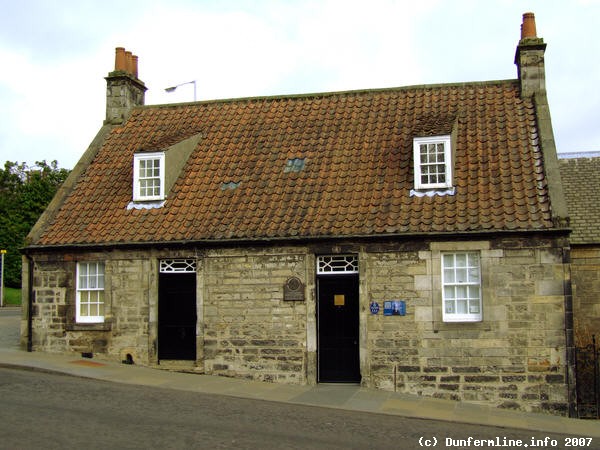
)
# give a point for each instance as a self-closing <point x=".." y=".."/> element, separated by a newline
<point x="333" y="93"/>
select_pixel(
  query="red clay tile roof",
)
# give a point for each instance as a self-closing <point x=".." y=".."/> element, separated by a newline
<point x="581" y="184"/>
<point x="357" y="174"/>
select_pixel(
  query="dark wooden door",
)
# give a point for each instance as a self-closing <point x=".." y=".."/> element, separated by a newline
<point x="177" y="316"/>
<point x="338" y="351"/>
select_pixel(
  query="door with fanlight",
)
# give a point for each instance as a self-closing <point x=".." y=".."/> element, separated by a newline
<point x="177" y="309"/>
<point x="338" y="319"/>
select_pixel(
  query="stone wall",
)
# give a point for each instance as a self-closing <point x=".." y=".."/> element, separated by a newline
<point x="127" y="314"/>
<point x="249" y="330"/>
<point x="514" y="358"/>
<point x="585" y="273"/>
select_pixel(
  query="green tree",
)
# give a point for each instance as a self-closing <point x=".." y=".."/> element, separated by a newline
<point x="25" y="192"/>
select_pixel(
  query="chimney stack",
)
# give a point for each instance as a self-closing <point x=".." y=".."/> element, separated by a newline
<point x="532" y="76"/>
<point x="530" y="58"/>
<point x="124" y="90"/>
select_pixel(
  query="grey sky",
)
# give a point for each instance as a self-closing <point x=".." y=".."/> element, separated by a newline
<point x="55" y="56"/>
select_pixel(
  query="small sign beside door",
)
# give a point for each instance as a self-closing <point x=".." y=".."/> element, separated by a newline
<point x="394" y="308"/>
<point x="374" y="307"/>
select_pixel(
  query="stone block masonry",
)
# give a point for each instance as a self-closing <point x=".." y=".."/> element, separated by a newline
<point x="249" y="330"/>
<point x="514" y="358"/>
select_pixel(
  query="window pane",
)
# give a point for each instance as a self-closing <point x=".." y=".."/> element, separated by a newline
<point x="84" y="304"/>
<point x="461" y="306"/>
<point x="461" y="260"/>
<point x="449" y="276"/>
<point x="461" y="275"/>
<point x="450" y="307"/>
<point x="474" y="275"/>
<point x="449" y="292"/>
<point x="448" y="260"/>
<point x="474" y="292"/>
<point x="101" y="303"/>
<point x="461" y="292"/>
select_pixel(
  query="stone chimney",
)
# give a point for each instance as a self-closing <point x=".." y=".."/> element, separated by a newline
<point x="530" y="64"/>
<point x="124" y="90"/>
<point x="530" y="58"/>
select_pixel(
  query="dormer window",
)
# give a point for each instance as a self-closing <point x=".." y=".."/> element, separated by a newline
<point x="148" y="176"/>
<point x="433" y="162"/>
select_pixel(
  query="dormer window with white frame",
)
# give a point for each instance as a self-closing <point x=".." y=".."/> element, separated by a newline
<point x="433" y="163"/>
<point x="148" y="176"/>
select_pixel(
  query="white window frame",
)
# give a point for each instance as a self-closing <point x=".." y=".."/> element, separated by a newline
<point x="90" y="292"/>
<point x="178" y="265"/>
<point x="337" y="264"/>
<point x="461" y="286"/>
<point x="418" y="165"/>
<point x="137" y="179"/>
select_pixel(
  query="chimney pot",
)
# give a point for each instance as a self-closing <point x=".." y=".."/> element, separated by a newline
<point x="528" y="27"/>
<point x="120" y="60"/>
<point x="134" y="58"/>
<point x="128" y="62"/>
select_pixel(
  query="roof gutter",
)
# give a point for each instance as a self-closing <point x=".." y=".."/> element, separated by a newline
<point x="292" y="240"/>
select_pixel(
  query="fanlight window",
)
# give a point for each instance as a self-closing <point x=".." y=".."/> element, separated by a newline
<point x="178" y="266"/>
<point x="337" y="264"/>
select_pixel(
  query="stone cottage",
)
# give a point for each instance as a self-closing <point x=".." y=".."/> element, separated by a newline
<point x="412" y="239"/>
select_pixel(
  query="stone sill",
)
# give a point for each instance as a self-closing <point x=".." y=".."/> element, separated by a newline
<point x="105" y="326"/>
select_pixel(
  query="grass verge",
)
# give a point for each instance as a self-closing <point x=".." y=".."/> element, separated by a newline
<point x="12" y="296"/>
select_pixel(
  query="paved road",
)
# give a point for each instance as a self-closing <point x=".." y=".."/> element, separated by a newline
<point x="44" y="410"/>
<point x="9" y="327"/>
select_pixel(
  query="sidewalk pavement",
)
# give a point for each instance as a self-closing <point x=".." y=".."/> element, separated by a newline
<point x="340" y="396"/>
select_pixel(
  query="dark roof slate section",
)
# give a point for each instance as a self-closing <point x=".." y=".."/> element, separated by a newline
<point x="581" y="184"/>
<point x="357" y="174"/>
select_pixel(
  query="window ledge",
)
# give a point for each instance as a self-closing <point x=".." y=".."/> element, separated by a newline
<point x="146" y="204"/>
<point x="432" y="192"/>
<point x="439" y="325"/>
<point x="104" y="326"/>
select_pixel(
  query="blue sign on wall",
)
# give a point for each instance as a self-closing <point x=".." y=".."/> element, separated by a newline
<point x="374" y="307"/>
<point x="394" y="308"/>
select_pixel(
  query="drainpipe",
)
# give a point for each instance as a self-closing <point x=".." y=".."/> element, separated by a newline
<point x="571" y="377"/>
<point x="29" y="303"/>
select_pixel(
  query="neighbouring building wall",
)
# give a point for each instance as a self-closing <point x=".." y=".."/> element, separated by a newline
<point x="585" y="273"/>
